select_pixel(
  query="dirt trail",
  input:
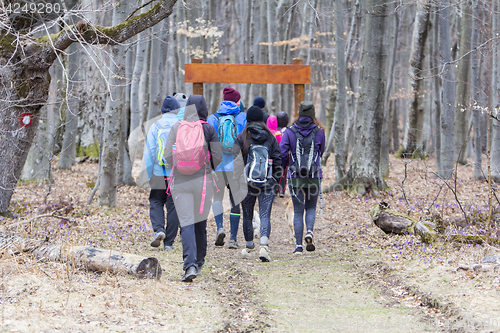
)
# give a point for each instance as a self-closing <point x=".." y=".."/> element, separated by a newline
<point x="321" y="291"/>
<point x="358" y="279"/>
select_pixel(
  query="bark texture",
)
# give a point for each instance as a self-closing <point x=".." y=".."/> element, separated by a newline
<point x="82" y="257"/>
<point x="24" y="75"/>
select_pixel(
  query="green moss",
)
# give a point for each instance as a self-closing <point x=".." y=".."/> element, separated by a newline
<point x="92" y="150"/>
<point x="6" y="44"/>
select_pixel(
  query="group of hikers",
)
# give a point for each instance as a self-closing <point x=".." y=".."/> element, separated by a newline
<point x="192" y="157"/>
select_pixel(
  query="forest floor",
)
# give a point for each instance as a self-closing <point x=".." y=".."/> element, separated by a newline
<point x="358" y="279"/>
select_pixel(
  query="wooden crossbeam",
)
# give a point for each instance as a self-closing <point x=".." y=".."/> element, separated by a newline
<point x="261" y="74"/>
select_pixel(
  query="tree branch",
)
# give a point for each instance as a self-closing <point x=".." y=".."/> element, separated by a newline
<point x="103" y="35"/>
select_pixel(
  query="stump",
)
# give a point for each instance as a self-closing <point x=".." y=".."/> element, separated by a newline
<point x="84" y="257"/>
<point x="394" y="222"/>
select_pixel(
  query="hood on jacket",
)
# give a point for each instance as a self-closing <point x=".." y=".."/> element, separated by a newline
<point x="305" y="125"/>
<point x="228" y="108"/>
<point x="201" y="108"/>
<point x="272" y="123"/>
<point x="258" y="133"/>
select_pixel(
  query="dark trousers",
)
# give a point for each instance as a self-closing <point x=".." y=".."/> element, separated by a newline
<point x="265" y="205"/>
<point x="188" y="193"/>
<point x="304" y="200"/>
<point x="158" y="199"/>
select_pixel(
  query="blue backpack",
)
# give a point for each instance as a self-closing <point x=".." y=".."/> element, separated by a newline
<point x="227" y="130"/>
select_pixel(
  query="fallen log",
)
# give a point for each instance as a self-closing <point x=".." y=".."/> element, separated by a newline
<point x="394" y="222"/>
<point x="83" y="257"/>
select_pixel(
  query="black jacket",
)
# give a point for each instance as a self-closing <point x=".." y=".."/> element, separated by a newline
<point x="258" y="135"/>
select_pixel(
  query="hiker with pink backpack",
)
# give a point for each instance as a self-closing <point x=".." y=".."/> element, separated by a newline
<point x="193" y="150"/>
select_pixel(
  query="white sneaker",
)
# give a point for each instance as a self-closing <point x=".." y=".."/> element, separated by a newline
<point x="247" y="253"/>
<point x="264" y="253"/>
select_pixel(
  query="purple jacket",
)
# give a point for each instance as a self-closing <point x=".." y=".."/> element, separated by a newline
<point x="288" y="143"/>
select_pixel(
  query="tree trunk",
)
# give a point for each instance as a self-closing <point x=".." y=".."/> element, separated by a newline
<point x="448" y="92"/>
<point x="24" y="76"/>
<point x="114" y="112"/>
<point x="337" y="135"/>
<point x="412" y="143"/>
<point x="494" y="106"/>
<point x="462" y="129"/>
<point x="68" y="150"/>
<point x="83" y="257"/>
<point x="38" y="162"/>
<point x="364" y="172"/>
<point x="476" y="93"/>
<point x="391" y="30"/>
<point x="437" y="92"/>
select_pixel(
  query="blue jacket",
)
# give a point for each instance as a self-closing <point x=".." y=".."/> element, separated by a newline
<point x="228" y="108"/>
<point x="151" y="152"/>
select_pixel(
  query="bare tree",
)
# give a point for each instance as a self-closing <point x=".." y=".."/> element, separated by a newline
<point x="364" y="173"/>
<point x="24" y="73"/>
<point x="412" y="143"/>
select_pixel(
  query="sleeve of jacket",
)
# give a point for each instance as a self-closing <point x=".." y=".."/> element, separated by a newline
<point x="150" y="151"/>
<point x="214" y="145"/>
<point x="213" y="120"/>
<point x="276" y="157"/>
<point x="238" y="160"/>
<point x="320" y="140"/>
<point x="284" y="148"/>
<point x="170" y="142"/>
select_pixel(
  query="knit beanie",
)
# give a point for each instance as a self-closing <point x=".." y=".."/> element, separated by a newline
<point x="260" y="102"/>
<point x="282" y="119"/>
<point x="306" y="109"/>
<point x="254" y="113"/>
<point x="231" y="94"/>
<point x="181" y="98"/>
<point x="169" y="104"/>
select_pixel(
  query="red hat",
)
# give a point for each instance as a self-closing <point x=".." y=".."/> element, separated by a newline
<point x="231" y="94"/>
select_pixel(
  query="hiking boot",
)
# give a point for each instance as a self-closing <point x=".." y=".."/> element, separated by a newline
<point x="247" y="253"/>
<point x="198" y="269"/>
<point x="298" y="250"/>
<point x="168" y="247"/>
<point x="233" y="244"/>
<point x="309" y="243"/>
<point x="158" y="238"/>
<point x="264" y="253"/>
<point x="219" y="241"/>
<point x="190" y="274"/>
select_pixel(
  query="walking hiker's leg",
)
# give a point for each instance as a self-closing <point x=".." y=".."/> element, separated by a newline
<point x="200" y="229"/>
<point x="247" y="206"/>
<point x="172" y="222"/>
<point x="157" y="199"/>
<point x="298" y="214"/>
<point x="265" y="206"/>
<point x="234" y="217"/>
<point x="184" y="202"/>
<point x="218" y="197"/>
<point x="311" y="200"/>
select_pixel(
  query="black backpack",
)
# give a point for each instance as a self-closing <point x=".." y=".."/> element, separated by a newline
<point x="258" y="169"/>
<point x="304" y="165"/>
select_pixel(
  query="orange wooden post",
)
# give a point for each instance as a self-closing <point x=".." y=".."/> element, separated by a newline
<point x="197" y="86"/>
<point x="298" y="90"/>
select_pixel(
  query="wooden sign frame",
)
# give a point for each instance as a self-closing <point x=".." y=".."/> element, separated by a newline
<point x="297" y="74"/>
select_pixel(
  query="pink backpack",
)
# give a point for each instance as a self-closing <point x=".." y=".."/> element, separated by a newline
<point x="189" y="153"/>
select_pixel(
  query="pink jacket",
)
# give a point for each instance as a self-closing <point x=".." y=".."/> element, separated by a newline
<point x="272" y="124"/>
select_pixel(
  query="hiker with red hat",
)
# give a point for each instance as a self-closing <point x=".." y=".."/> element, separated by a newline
<point x="229" y="121"/>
